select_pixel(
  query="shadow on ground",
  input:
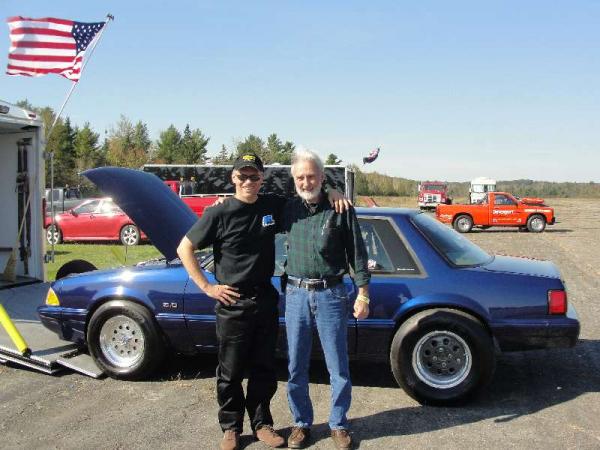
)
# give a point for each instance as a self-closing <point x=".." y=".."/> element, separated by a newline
<point x="524" y="383"/>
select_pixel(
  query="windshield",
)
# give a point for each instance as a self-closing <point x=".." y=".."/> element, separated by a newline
<point x="456" y="248"/>
<point x="434" y="187"/>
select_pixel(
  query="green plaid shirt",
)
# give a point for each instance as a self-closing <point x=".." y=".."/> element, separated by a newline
<point x="323" y="243"/>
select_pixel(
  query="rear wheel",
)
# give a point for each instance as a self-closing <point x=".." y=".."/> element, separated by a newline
<point x="53" y="235"/>
<point x="124" y="340"/>
<point x="129" y="235"/>
<point x="442" y="356"/>
<point x="463" y="223"/>
<point x="536" y="223"/>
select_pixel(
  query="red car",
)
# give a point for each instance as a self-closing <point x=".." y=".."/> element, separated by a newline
<point x="96" y="219"/>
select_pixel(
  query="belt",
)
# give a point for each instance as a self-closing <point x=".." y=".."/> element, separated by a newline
<point x="314" y="284"/>
<point x="252" y="289"/>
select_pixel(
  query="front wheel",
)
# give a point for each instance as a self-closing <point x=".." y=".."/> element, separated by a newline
<point x="124" y="340"/>
<point x="129" y="235"/>
<point x="442" y="356"/>
<point x="536" y="223"/>
<point x="463" y="223"/>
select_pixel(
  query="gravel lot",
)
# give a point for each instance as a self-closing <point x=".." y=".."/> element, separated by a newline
<point x="541" y="399"/>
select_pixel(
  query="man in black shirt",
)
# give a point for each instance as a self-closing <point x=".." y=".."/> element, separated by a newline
<point x="242" y="232"/>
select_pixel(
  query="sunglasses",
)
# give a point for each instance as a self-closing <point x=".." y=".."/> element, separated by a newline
<point x="243" y="178"/>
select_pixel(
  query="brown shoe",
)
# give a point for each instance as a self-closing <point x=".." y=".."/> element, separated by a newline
<point x="299" y="437"/>
<point x="342" y="439"/>
<point x="266" y="434"/>
<point x="230" y="441"/>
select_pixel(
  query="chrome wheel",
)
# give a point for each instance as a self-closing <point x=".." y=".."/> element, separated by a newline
<point x="130" y="235"/>
<point x="464" y="224"/>
<point x="122" y="341"/>
<point x="537" y="224"/>
<point x="442" y="359"/>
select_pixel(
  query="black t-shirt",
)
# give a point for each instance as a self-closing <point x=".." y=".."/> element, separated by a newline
<point x="243" y="239"/>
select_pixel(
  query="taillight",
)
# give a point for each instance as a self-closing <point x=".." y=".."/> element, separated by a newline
<point x="557" y="302"/>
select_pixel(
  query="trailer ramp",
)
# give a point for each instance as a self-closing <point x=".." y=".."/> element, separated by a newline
<point x="48" y="353"/>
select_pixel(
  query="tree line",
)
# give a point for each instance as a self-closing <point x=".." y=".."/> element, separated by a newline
<point x="128" y="144"/>
<point x="376" y="184"/>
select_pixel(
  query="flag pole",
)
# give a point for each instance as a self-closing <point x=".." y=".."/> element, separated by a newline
<point x="50" y="155"/>
<point x="97" y="38"/>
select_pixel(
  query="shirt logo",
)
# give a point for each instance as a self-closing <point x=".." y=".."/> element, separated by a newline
<point x="267" y="221"/>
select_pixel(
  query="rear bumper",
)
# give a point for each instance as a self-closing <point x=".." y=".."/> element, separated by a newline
<point x="552" y="332"/>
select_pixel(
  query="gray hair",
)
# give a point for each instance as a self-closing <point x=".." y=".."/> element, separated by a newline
<point x="302" y="154"/>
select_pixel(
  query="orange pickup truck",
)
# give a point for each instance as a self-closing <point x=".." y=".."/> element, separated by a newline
<point x="498" y="209"/>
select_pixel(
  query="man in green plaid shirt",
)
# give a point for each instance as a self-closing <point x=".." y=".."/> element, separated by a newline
<point x="322" y="244"/>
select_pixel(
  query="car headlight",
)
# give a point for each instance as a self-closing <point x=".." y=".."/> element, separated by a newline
<point x="52" y="298"/>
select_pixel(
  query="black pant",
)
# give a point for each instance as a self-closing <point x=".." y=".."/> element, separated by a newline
<point x="247" y="333"/>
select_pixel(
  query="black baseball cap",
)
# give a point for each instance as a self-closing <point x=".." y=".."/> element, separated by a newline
<point x="248" y="160"/>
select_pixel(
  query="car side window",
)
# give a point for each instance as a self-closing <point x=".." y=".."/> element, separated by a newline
<point x="502" y="200"/>
<point x="87" y="207"/>
<point x="386" y="250"/>
<point x="280" y="253"/>
<point x="109" y="207"/>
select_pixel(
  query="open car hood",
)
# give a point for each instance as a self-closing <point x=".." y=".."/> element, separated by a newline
<point x="155" y="208"/>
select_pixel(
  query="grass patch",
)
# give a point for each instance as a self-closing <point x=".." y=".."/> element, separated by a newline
<point x="101" y="255"/>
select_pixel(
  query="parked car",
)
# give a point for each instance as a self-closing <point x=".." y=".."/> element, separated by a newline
<point x="440" y="305"/>
<point x="498" y="209"/>
<point x="96" y="219"/>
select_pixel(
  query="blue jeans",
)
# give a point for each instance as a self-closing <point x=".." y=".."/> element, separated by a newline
<point x="328" y="309"/>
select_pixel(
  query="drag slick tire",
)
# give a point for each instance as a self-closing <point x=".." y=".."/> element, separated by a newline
<point x="124" y="340"/>
<point x="536" y="223"/>
<point x="442" y="357"/>
<point x="463" y="223"/>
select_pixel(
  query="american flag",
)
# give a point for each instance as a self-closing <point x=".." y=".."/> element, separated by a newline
<point x="48" y="45"/>
<point x="372" y="156"/>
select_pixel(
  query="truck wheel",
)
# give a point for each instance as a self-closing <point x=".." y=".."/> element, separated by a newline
<point x="463" y="223"/>
<point x="124" y="340"/>
<point x="536" y="223"/>
<point x="442" y="356"/>
<point x="129" y="235"/>
<point x="53" y="235"/>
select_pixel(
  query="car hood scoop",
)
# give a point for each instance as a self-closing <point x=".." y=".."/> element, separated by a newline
<point x="155" y="208"/>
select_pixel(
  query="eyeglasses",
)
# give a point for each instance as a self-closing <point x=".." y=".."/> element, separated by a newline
<point x="243" y="178"/>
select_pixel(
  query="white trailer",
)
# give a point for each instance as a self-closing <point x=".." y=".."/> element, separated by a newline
<point x="480" y="187"/>
<point x="21" y="193"/>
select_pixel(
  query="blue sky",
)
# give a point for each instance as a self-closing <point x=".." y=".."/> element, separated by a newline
<point x="448" y="90"/>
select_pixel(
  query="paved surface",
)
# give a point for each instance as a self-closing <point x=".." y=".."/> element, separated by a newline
<point x="541" y="399"/>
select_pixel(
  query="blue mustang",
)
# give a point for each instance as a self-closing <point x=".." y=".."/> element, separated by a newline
<point x="440" y="306"/>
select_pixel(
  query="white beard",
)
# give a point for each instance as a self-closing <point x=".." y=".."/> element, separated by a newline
<point x="310" y="196"/>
